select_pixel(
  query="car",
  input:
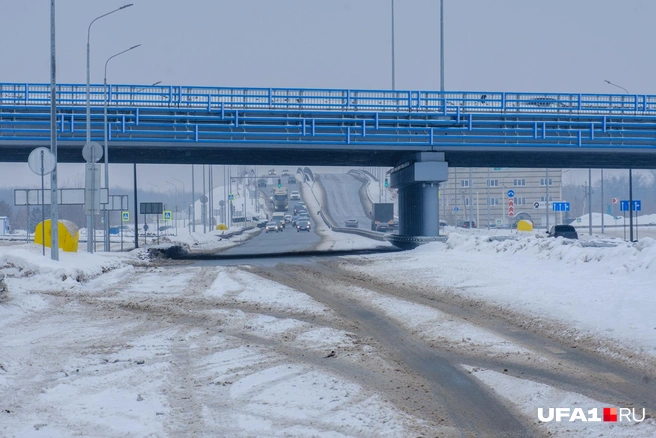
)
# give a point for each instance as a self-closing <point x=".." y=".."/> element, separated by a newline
<point x="351" y="223"/>
<point x="300" y="210"/>
<point x="285" y="172"/>
<point x="262" y="224"/>
<point x="288" y="218"/>
<point x="382" y="227"/>
<point x="272" y="172"/>
<point x="566" y="231"/>
<point x="271" y="226"/>
<point x="294" y="196"/>
<point x="466" y="224"/>
<point x="300" y="217"/>
<point x="303" y="225"/>
<point x="291" y="179"/>
<point x="261" y="182"/>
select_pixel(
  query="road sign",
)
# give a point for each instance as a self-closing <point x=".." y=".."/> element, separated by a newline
<point x="511" y="193"/>
<point x="536" y="205"/>
<point x="637" y="205"/>
<point x="499" y="221"/>
<point x="167" y="215"/>
<point x="511" y="203"/>
<point x="578" y="220"/>
<point x="615" y="200"/>
<point x="511" y="214"/>
<point x="125" y="216"/>
<point x="560" y="206"/>
<point x="455" y="209"/>
<point x="41" y="161"/>
<point x="92" y="152"/>
<point x="231" y="197"/>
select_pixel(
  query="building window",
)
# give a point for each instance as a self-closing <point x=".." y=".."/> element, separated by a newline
<point x="492" y="201"/>
<point x="520" y="200"/>
<point x="493" y="183"/>
<point x="542" y="181"/>
<point x="519" y="181"/>
<point x="467" y="201"/>
<point x="464" y="183"/>
<point x="542" y="198"/>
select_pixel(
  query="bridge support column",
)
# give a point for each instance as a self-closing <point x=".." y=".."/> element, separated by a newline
<point x="417" y="178"/>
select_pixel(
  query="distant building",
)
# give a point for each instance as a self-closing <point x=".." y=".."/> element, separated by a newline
<point x="4" y="225"/>
<point x="484" y="194"/>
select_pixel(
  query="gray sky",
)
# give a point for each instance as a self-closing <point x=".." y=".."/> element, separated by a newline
<point x="490" y="45"/>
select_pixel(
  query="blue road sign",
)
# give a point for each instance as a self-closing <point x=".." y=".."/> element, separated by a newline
<point x="455" y="208"/>
<point x="126" y="216"/>
<point x="231" y="197"/>
<point x="511" y="193"/>
<point x="167" y="215"/>
<point x="637" y="205"/>
<point x="560" y="206"/>
<point x="624" y="205"/>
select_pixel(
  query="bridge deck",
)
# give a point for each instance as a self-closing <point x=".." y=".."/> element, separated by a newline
<point x="300" y="126"/>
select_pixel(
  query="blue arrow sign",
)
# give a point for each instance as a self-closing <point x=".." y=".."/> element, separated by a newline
<point x="637" y="205"/>
<point x="624" y="205"/>
<point x="511" y="193"/>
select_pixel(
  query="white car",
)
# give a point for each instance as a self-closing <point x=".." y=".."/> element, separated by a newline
<point x="295" y="196"/>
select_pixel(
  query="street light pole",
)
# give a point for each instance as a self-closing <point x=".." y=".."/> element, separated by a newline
<point x="54" y="211"/>
<point x="90" y="226"/>
<point x="442" y="46"/>
<point x="393" y="61"/>
<point x="106" y="149"/>
<point x="615" y="85"/>
<point x="89" y="67"/>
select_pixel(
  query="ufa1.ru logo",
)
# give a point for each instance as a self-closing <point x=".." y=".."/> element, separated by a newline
<point x="579" y="414"/>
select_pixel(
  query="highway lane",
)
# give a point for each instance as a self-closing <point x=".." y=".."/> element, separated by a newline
<point x="287" y="241"/>
<point x="342" y="199"/>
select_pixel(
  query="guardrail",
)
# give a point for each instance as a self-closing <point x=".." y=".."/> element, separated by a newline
<point x="293" y="99"/>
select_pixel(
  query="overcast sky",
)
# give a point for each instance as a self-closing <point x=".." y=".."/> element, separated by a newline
<point x="490" y="45"/>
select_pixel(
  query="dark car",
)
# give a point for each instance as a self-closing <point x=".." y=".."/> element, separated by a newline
<point x="382" y="227"/>
<point x="261" y="182"/>
<point x="351" y="223"/>
<point x="566" y="231"/>
<point x="303" y="225"/>
<point x="467" y="224"/>
<point x="291" y="179"/>
<point x="262" y="223"/>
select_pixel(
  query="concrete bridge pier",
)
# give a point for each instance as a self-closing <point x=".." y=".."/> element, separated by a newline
<point x="417" y="178"/>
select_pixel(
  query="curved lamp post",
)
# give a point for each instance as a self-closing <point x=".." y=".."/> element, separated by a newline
<point x="106" y="149"/>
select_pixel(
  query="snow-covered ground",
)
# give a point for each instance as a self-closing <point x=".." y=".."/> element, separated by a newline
<point x="109" y="345"/>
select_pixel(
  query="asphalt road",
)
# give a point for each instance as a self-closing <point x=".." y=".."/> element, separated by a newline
<point x="287" y="241"/>
<point x="342" y="200"/>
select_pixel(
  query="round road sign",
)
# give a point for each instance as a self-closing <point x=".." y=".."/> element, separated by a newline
<point x="92" y="152"/>
<point x="511" y="193"/>
<point x="41" y="161"/>
<point x="536" y="205"/>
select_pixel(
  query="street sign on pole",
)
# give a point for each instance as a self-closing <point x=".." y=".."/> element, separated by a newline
<point x="511" y="193"/>
<point x="167" y="215"/>
<point x="125" y="216"/>
<point x="614" y="200"/>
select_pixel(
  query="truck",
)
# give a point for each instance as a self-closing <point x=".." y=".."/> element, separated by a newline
<point x="382" y="213"/>
<point x="280" y="200"/>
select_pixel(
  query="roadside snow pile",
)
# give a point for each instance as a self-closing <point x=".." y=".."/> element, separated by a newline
<point x="28" y="261"/>
<point x="622" y="259"/>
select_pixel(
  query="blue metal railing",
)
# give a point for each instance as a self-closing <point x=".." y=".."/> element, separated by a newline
<point x="298" y="99"/>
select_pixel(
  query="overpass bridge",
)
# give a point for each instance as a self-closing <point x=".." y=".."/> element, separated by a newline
<point x="419" y="133"/>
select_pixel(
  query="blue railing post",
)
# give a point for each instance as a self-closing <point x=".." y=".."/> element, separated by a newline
<point x="503" y="102"/>
<point x="136" y="117"/>
<point x="544" y="130"/>
<point x="236" y="118"/>
<point x="303" y="127"/>
<point x="603" y="123"/>
<point x="364" y="128"/>
<point x="313" y="131"/>
<point x="457" y="114"/>
<point x="196" y="132"/>
<point x="432" y="136"/>
<point x="580" y="141"/>
<point x="470" y="122"/>
<point x="72" y="122"/>
<point x="269" y="97"/>
<point x="222" y="111"/>
<point x="579" y="103"/>
<point x="123" y="123"/>
<point x="535" y="130"/>
<point x="591" y="131"/>
<point x="27" y="93"/>
<point x="376" y="120"/>
<point x="209" y="103"/>
<point x="348" y="135"/>
<point x="170" y="95"/>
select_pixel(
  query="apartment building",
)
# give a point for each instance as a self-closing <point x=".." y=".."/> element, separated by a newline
<point x="482" y="195"/>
